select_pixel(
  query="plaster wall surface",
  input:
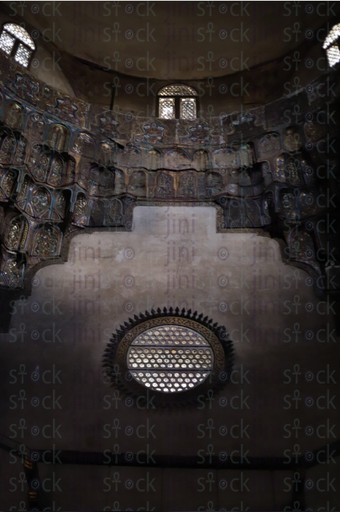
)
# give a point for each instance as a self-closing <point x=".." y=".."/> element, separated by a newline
<point x="172" y="257"/>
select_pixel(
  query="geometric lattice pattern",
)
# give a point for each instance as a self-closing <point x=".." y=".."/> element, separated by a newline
<point x="144" y="357"/>
<point x="167" y="108"/>
<point x="170" y="358"/>
<point x="177" y="90"/>
<point x="170" y="335"/>
<point x="22" y="55"/>
<point x="169" y="382"/>
<point x="333" y="35"/>
<point x="188" y="108"/>
<point x="23" y="52"/>
<point x="333" y="55"/>
<point x="6" y="42"/>
<point x="178" y="103"/>
<point x="331" y="46"/>
<point x="20" y="33"/>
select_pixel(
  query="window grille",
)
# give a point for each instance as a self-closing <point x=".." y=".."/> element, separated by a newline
<point x="170" y="358"/>
<point x="175" y="355"/>
<point x="331" y="45"/>
<point x="16" y="42"/>
<point x="177" y="101"/>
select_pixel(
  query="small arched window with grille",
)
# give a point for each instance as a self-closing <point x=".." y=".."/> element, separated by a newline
<point x="331" y="45"/>
<point x="177" y="101"/>
<point x="16" y="42"/>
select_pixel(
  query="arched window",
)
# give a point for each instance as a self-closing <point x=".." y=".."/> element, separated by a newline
<point x="16" y="42"/>
<point x="177" y="102"/>
<point x="331" y="45"/>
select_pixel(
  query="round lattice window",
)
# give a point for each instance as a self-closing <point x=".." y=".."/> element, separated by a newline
<point x="169" y="353"/>
<point x="170" y="358"/>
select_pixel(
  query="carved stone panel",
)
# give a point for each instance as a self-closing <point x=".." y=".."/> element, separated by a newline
<point x="36" y="126"/>
<point x="7" y="149"/>
<point x="80" y="210"/>
<point x="11" y="273"/>
<point x="187" y="185"/>
<point x="165" y="186"/>
<point x="7" y="184"/>
<point x="41" y="202"/>
<point x="41" y="168"/>
<point x="292" y="140"/>
<point x="214" y="184"/>
<point x="47" y="242"/>
<point x="58" y="137"/>
<point x="55" y="176"/>
<point x="137" y="183"/>
<point x="269" y="144"/>
<point x="119" y="186"/>
<point x="14" y="114"/>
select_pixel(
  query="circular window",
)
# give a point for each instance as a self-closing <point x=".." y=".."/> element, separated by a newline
<point x="170" y="358"/>
<point x="169" y="353"/>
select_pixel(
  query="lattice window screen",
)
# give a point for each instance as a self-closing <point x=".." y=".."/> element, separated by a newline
<point x="188" y="108"/>
<point x="170" y="358"/>
<point x="331" y="45"/>
<point x="22" y="55"/>
<point x="6" y="42"/>
<point x="177" y="90"/>
<point x="167" y="108"/>
<point x="20" y="33"/>
<point x="333" y="55"/>
<point x="13" y="34"/>
<point x="332" y="36"/>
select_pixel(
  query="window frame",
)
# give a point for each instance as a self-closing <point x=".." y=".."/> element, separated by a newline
<point x="116" y="366"/>
<point x="17" y="43"/>
<point x="178" y="99"/>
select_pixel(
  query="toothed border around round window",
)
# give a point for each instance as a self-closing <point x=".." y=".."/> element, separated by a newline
<point x="169" y="357"/>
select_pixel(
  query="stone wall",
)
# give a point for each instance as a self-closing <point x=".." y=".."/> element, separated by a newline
<point x="67" y="165"/>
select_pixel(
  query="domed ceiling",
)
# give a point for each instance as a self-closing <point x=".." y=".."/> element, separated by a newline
<point x="178" y="40"/>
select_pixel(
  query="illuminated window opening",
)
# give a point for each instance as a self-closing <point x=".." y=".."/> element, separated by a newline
<point x="331" y="45"/>
<point x="16" y="42"/>
<point x="170" y="358"/>
<point x="177" y="101"/>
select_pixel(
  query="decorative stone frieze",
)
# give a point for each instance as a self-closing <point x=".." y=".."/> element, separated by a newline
<point x="66" y="166"/>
